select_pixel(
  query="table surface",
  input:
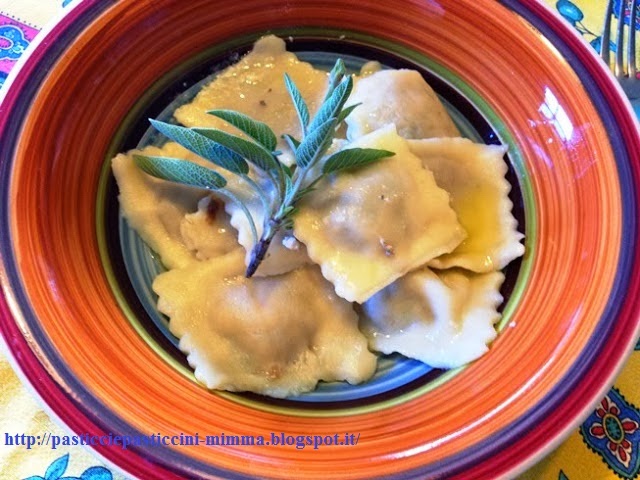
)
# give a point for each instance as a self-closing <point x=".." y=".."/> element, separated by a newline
<point x="594" y="451"/>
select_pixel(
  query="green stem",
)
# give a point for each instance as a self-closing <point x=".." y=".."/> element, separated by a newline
<point x="303" y="172"/>
<point x="280" y="184"/>
<point x="300" y="174"/>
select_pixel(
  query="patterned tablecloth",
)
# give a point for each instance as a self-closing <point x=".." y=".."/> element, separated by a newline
<point x="607" y="444"/>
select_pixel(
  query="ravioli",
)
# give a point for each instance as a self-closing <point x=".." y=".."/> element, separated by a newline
<point x="155" y="208"/>
<point x="276" y="336"/>
<point x="255" y="86"/>
<point x="367" y="228"/>
<point x="401" y="97"/>
<point x="443" y="319"/>
<point x="474" y="176"/>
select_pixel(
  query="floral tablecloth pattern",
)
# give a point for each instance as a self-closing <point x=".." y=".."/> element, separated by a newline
<point x="605" y="446"/>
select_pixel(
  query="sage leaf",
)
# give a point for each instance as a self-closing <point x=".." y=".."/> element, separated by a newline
<point x="259" y="131"/>
<point x="352" y="158"/>
<point x="289" y="190"/>
<point x="288" y="171"/>
<point x="347" y="111"/>
<point x="290" y="211"/>
<point x="298" y="102"/>
<point x="292" y="142"/>
<point x="335" y="77"/>
<point x="315" y="143"/>
<point x="333" y="105"/>
<point x="180" y="171"/>
<point x="202" y="146"/>
<point x="251" y="151"/>
<point x="303" y="192"/>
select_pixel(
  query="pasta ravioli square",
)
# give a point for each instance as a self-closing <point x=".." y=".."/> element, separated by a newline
<point x="401" y="97"/>
<point x="444" y="319"/>
<point x="368" y="228"/>
<point x="276" y="335"/>
<point x="474" y="175"/>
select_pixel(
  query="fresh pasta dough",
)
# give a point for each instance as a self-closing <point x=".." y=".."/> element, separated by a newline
<point x="276" y="335"/>
<point x="444" y="319"/>
<point x="367" y="228"/>
<point x="474" y="176"/>
<point x="400" y="97"/>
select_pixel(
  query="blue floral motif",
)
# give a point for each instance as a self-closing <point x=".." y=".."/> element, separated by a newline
<point x="570" y="11"/>
<point x="3" y="77"/>
<point x="66" y="2"/>
<point x="96" y="473"/>
<point x="14" y="43"/>
<point x="613" y="431"/>
<point x="59" y="466"/>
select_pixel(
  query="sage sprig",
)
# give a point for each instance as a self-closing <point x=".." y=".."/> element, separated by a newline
<point x="255" y="159"/>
